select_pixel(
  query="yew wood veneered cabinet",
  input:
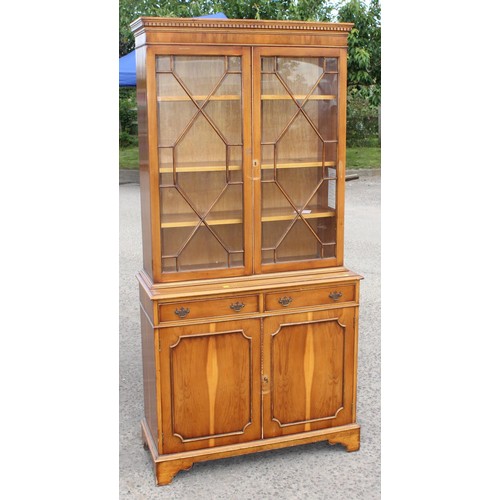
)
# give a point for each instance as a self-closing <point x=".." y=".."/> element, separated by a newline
<point x="248" y="316"/>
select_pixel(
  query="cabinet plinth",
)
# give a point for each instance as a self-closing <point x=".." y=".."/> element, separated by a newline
<point x="248" y="317"/>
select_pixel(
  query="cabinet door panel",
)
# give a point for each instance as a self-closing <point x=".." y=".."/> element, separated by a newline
<point x="309" y="363"/>
<point x="298" y="111"/>
<point x="210" y="377"/>
<point x="202" y="96"/>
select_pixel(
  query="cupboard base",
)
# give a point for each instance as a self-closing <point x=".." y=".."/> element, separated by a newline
<point x="167" y="466"/>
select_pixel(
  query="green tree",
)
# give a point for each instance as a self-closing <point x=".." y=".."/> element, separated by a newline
<point x="364" y="53"/>
<point x="363" y="70"/>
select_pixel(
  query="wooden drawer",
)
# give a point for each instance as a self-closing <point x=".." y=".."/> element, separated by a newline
<point x="291" y="299"/>
<point x="208" y="307"/>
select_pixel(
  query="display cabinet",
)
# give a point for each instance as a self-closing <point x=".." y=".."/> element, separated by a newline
<point x="248" y="316"/>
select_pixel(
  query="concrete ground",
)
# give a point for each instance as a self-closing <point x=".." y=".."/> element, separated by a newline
<point x="314" y="471"/>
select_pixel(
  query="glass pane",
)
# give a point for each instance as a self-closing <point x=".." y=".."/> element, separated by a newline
<point x="300" y="143"/>
<point x="234" y="63"/>
<point x="300" y="74"/>
<point x="202" y="189"/>
<point x="163" y="63"/>
<point x="173" y="118"/>
<point x="267" y="155"/>
<point x="227" y="209"/>
<point x="298" y="183"/>
<point x="331" y="155"/>
<point x="224" y="109"/>
<point x="323" y="115"/>
<point x="272" y="87"/>
<point x="166" y="163"/>
<point x="331" y="64"/>
<point x="203" y="251"/>
<point x="327" y="86"/>
<point x="276" y="116"/>
<point x="267" y="256"/>
<point x="201" y="147"/>
<point x="174" y="239"/>
<point x="235" y="162"/>
<point x="299" y="136"/>
<point x="200" y="159"/>
<point x="268" y="64"/>
<point x="173" y="203"/>
<point x="200" y="74"/>
<point x="236" y="260"/>
<point x="169" y="264"/>
<point x="273" y="198"/>
<point x="169" y="88"/>
<point x="298" y="244"/>
<point x="273" y="231"/>
<point x="231" y="235"/>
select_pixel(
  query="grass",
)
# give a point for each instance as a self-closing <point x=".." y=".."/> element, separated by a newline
<point x="362" y="157"/>
<point x="129" y="158"/>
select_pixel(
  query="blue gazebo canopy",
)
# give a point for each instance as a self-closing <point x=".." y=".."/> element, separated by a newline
<point x="127" y="62"/>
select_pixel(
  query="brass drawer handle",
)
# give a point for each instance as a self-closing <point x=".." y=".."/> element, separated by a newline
<point x="237" y="306"/>
<point x="335" y="295"/>
<point x="285" y="301"/>
<point x="182" y="312"/>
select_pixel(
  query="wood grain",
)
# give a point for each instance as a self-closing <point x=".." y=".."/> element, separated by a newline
<point x="149" y="374"/>
<point x="242" y="175"/>
<point x="210" y="307"/>
<point x="167" y="466"/>
<point x="307" y="298"/>
<point x="212" y="372"/>
<point x="309" y="361"/>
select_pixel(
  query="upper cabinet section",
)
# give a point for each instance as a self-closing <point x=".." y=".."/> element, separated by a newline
<point x="241" y="145"/>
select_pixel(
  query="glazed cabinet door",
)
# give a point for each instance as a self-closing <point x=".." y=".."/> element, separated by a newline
<point x="299" y="155"/>
<point x="199" y="105"/>
<point x="210" y="385"/>
<point x="309" y="371"/>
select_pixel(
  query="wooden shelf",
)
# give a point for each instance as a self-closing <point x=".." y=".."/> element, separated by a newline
<point x="222" y="168"/>
<point x="298" y="164"/>
<point x="291" y="258"/>
<point x="191" y="220"/>
<point x="266" y="97"/>
<point x="199" y="168"/>
<point x="168" y="98"/>
<point x="281" y="97"/>
<point x="197" y="267"/>
<point x="288" y="213"/>
<point x="235" y="216"/>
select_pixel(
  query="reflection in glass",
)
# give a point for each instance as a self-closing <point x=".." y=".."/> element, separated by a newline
<point x="200" y="157"/>
<point x="298" y="157"/>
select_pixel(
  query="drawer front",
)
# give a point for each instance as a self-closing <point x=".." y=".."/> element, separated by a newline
<point x="208" y="308"/>
<point x="291" y="299"/>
